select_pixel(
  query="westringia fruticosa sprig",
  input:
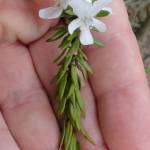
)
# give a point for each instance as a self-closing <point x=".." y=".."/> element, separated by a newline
<point x="74" y="68"/>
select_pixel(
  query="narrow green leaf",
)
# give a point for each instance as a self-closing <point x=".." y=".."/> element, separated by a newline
<point x="70" y="117"/>
<point x="62" y="86"/>
<point x="73" y="143"/>
<point x="147" y="69"/>
<point x="74" y="48"/>
<point x="74" y="75"/>
<point x="98" y="43"/>
<point x="84" y="64"/>
<point x="71" y="91"/>
<point x="62" y="105"/>
<point x="83" y="54"/>
<point x="86" y="135"/>
<point x="73" y="98"/>
<point x="103" y="13"/>
<point x="87" y="67"/>
<point x="83" y="70"/>
<point x="67" y="61"/>
<point x="72" y="112"/>
<point x="60" y="56"/>
<point x="80" y="81"/>
<point x="65" y="43"/>
<point x="61" y="31"/>
<point x="60" y="74"/>
<point x="63" y="101"/>
<point x="75" y="115"/>
<point x="80" y="100"/>
<point x="63" y="137"/>
<point x="73" y="36"/>
<point x="69" y="12"/>
<point x="68" y="136"/>
<point x="63" y="70"/>
<point x="78" y="118"/>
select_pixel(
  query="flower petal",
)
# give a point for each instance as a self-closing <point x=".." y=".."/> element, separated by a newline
<point x="99" y="25"/>
<point x="80" y="7"/>
<point x="86" y="37"/>
<point x="50" y="12"/>
<point x="64" y="3"/>
<point x="74" y="25"/>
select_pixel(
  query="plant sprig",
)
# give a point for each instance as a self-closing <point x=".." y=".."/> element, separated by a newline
<point x="73" y="68"/>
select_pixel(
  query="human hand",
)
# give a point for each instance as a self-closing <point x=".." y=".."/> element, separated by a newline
<point x="116" y="96"/>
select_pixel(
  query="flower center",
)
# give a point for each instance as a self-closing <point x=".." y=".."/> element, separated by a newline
<point x="86" y="20"/>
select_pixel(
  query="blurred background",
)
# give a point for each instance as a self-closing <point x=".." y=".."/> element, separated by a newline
<point x="139" y="14"/>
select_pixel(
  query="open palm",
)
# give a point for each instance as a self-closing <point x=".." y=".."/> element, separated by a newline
<point x="116" y="96"/>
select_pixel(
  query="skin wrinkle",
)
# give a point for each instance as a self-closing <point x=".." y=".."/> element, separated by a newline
<point x="122" y="88"/>
<point x="18" y="98"/>
<point x="7" y="44"/>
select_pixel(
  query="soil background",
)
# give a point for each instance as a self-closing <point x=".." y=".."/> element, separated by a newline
<point x="139" y="14"/>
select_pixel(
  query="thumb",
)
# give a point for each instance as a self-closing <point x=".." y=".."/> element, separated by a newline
<point x="19" y="20"/>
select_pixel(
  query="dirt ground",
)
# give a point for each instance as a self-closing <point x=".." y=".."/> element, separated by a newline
<point x="139" y="15"/>
<point x="144" y="43"/>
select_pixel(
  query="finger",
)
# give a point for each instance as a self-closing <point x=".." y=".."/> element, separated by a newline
<point x="6" y="140"/>
<point x="26" y="26"/>
<point x="24" y="103"/>
<point x="120" y="85"/>
<point x="43" y="55"/>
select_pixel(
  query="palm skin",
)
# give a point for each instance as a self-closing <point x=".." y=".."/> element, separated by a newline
<point x="116" y="96"/>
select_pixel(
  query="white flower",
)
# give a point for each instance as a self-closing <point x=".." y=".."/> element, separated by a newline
<point x="86" y="20"/>
<point x="90" y="1"/>
<point x="54" y="12"/>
